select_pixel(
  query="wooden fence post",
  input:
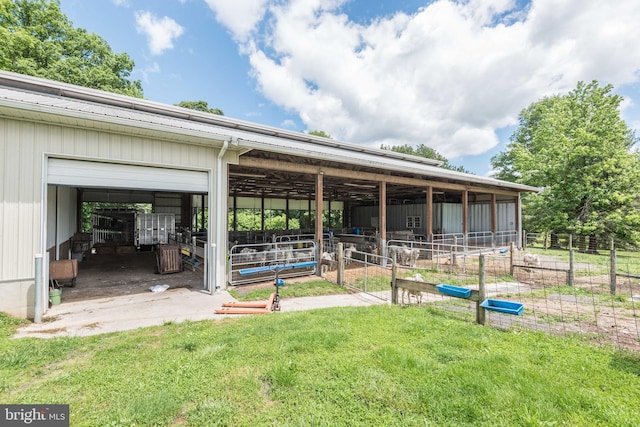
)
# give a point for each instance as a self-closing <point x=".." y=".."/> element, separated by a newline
<point x="570" y="273"/>
<point x="480" y="313"/>
<point x="612" y="284"/>
<point x="394" y="284"/>
<point x="511" y="248"/>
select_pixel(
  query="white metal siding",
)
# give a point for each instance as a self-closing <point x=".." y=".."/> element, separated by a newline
<point x="80" y="173"/>
<point x="506" y="216"/>
<point x="23" y="146"/>
<point x="479" y="217"/>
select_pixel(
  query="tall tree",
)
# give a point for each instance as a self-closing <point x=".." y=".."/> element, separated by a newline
<point x="580" y="151"/>
<point x="37" y="39"/>
<point x="200" y="106"/>
<point x="426" y="152"/>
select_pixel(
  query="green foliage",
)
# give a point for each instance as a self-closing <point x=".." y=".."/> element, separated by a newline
<point x="37" y="39"/>
<point x="357" y="366"/>
<point x="579" y="150"/>
<point x="88" y="208"/>
<point x="275" y="219"/>
<point x="426" y="152"/>
<point x="200" y="106"/>
<point x="320" y="133"/>
<point x="251" y="219"/>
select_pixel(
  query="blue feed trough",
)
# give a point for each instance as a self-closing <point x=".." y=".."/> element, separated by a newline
<point x="454" y="291"/>
<point x="508" y="307"/>
<point x="268" y="268"/>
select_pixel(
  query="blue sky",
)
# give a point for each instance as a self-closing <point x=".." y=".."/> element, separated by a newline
<point x="452" y="75"/>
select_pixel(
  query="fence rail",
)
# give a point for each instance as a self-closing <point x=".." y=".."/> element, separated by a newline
<point x="253" y="263"/>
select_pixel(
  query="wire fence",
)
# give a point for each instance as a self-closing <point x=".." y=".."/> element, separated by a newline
<point x="564" y="291"/>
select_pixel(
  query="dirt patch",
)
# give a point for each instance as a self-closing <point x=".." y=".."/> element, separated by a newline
<point x="101" y="276"/>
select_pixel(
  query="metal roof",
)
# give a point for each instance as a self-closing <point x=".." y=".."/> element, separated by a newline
<point x="26" y="96"/>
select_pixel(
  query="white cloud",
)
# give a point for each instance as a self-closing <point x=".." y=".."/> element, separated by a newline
<point x="161" y="32"/>
<point x="291" y="124"/>
<point x="446" y="76"/>
<point x="239" y="16"/>
<point x="150" y="68"/>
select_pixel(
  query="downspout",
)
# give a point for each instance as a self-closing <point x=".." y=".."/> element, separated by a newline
<point x="220" y="218"/>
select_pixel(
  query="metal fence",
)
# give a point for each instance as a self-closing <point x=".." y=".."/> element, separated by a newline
<point x="368" y="273"/>
<point x="563" y="292"/>
<point x="256" y="262"/>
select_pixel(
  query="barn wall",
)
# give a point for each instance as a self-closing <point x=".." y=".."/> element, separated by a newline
<point x="506" y="216"/>
<point x="447" y="217"/>
<point x="23" y="145"/>
<point x="479" y="217"/>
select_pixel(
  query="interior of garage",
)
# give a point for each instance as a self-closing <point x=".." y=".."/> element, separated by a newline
<point x="113" y="249"/>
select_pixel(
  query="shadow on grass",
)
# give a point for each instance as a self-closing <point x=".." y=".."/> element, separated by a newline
<point x="626" y="362"/>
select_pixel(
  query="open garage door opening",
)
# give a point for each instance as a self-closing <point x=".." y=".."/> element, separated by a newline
<point x="125" y="229"/>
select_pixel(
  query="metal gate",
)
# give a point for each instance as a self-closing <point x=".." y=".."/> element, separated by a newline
<point x="368" y="273"/>
<point x="257" y="262"/>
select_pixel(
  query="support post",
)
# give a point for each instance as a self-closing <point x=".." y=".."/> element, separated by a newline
<point x="613" y="284"/>
<point x="394" y="284"/>
<point x="340" y="272"/>
<point x="511" y="248"/>
<point x="570" y="274"/>
<point x="480" y="313"/>
<point x="37" y="309"/>
<point x="454" y="249"/>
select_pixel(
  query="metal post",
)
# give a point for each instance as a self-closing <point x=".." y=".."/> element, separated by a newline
<point x="480" y="313"/>
<point x="37" y="310"/>
<point x="205" y="270"/>
<point x="340" y="272"/>
<point x="365" y="273"/>
<point x="612" y="284"/>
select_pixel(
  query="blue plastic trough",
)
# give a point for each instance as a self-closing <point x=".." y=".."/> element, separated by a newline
<point x="454" y="291"/>
<point x="508" y="307"/>
<point x="268" y="268"/>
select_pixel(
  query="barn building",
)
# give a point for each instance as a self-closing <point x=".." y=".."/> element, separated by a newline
<point x="66" y="147"/>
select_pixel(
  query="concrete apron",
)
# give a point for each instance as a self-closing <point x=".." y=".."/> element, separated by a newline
<point x="122" y="313"/>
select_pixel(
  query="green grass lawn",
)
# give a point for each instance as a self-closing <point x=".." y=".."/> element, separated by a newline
<point x="291" y="289"/>
<point x="370" y="366"/>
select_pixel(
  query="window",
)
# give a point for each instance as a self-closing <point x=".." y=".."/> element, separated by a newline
<point x="414" y="222"/>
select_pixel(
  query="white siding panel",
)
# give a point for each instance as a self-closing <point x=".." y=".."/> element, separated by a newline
<point x="23" y="147"/>
<point x="451" y="218"/>
<point x="79" y="173"/>
<point x="506" y="216"/>
<point x="479" y="217"/>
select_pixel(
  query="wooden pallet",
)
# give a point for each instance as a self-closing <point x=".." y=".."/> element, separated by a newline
<point x="169" y="259"/>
